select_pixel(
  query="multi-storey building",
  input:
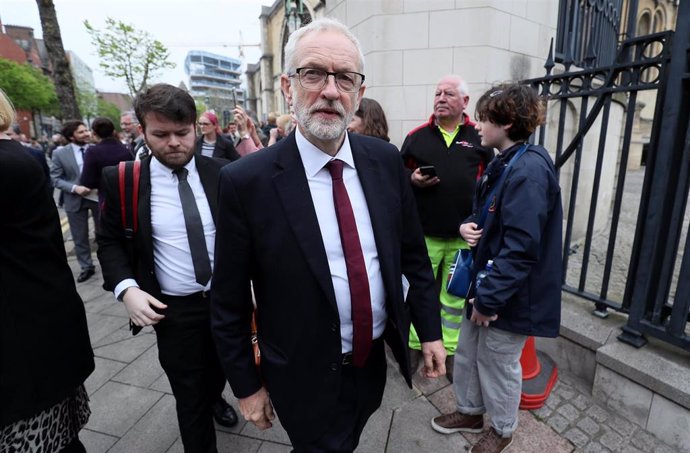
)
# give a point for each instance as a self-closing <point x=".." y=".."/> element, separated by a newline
<point x="214" y="80"/>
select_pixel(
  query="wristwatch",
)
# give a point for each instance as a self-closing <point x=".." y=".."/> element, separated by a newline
<point x="122" y="294"/>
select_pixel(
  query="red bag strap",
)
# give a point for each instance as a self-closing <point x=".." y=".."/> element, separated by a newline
<point x="133" y="170"/>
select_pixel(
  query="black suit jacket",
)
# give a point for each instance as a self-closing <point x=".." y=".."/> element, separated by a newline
<point x="268" y="233"/>
<point x="223" y="148"/>
<point x="112" y="243"/>
<point x="45" y="352"/>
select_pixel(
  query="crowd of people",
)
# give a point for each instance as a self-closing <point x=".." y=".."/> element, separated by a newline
<point x="315" y="226"/>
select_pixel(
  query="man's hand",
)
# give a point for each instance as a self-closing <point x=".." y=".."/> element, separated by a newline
<point x="82" y="190"/>
<point x="470" y="233"/>
<point x="257" y="409"/>
<point x="434" y="354"/>
<point x="480" y="319"/>
<point x="420" y="180"/>
<point x="138" y="304"/>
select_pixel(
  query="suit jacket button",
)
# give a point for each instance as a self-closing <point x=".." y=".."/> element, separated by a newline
<point x="334" y="327"/>
<point x="334" y="367"/>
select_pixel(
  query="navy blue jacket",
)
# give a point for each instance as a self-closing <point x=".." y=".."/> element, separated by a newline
<point x="522" y="235"/>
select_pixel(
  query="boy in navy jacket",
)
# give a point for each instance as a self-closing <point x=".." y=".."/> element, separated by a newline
<point x="521" y="294"/>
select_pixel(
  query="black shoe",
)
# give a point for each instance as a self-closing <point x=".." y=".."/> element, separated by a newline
<point x="85" y="275"/>
<point x="224" y="414"/>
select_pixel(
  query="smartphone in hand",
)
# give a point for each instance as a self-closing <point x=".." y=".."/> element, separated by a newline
<point x="428" y="170"/>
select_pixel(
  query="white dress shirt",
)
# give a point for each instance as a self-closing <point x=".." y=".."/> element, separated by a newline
<point x="321" y="188"/>
<point x="171" y="254"/>
<point x="76" y="150"/>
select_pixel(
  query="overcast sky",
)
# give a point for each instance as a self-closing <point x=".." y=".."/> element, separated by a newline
<point x="181" y="25"/>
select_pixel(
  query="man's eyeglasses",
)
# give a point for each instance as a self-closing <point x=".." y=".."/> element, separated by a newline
<point x="315" y="79"/>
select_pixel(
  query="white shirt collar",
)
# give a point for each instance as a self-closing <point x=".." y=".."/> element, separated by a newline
<point x="157" y="168"/>
<point x="314" y="159"/>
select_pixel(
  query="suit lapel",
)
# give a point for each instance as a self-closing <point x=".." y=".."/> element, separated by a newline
<point x="369" y="173"/>
<point x="293" y="192"/>
<point x="71" y="163"/>
<point x="145" y="209"/>
<point x="209" y="180"/>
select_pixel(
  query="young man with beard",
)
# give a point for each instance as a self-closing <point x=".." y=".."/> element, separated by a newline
<point x="165" y="281"/>
<point x="323" y="224"/>
<point x="68" y="163"/>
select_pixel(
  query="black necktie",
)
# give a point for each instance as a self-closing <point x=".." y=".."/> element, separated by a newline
<point x="81" y="150"/>
<point x="195" y="229"/>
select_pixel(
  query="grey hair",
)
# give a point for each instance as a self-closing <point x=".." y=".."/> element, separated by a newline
<point x="132" y="114"/>
<point x="463" y="88"/>
<point x="321" y="24"/>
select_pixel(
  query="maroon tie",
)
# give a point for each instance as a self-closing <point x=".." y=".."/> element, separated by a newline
<point x="357" y="277"/>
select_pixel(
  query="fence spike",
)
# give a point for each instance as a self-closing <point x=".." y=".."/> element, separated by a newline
<point x="549" y="60"/>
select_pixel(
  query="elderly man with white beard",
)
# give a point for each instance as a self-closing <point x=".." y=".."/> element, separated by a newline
<point x="323" y="225"/>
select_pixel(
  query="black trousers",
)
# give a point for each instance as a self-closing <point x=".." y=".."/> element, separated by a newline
<point x="188" y="356"/>
<point x="361" y="392"/>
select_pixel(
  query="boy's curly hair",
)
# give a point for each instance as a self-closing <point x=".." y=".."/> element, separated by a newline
<point x="515" y="104"/>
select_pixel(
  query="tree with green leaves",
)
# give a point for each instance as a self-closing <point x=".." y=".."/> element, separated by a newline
<point x="128" y="53"/>
<point x="109" y="110"/>
<point x="27" y="87"/>
<point x="62" y="76"/>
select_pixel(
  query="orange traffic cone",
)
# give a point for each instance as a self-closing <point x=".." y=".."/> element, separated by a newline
<point x="539" y="374"/>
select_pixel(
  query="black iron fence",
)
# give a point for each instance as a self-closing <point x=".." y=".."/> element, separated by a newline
<point x="593" y="120"/>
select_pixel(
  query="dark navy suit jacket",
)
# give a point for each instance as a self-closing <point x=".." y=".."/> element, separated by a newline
<point x="268" y="235"/>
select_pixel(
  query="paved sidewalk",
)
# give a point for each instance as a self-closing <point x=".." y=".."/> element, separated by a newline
<point x="133" y="409"/>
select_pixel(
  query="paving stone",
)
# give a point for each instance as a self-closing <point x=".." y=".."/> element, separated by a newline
<point x="533" y="435"/>
<point x="565" y="391"/>
<point x="117" y="407"/>
<point x="275" y="434"/>
<point x="558" y="423"/>
<point x="543" y="412"/>
<point x="144" y="371"/>
<point x="162" y="384"/>
<point x="105" y="369"/>
<point x="114" y="337"/>
<point x="581" y="402"/>
<point x="155" y="432"/>
<point x="577" y="437"/>
<point x="116" y="308"/>
<point x="397" y="393"/>
<point x="96" y="442"/>
<point x="622" y="426"/>
<point x="101" y="326"/>
<point x="375" y="434"/>
<point x="598" y="413"/>
<point x="444" y="400"/>
<point x="270" y="447"/>
<point x="630" y="449"/>
<point x="554" y="400"/>
<point x="611" y="440"/>
<point x="429" y="386"/>
<point x="92" y="291"/>
<point x="411" y="432"/>
<point x="177" y="447"/>
<point x="569" y="412"/>
<point x="589" y="426"/>
<point x="664" y="449"/>
<point x="126" y="350"/>
<point x="234" y="443"/>
<point x="595" y="447"/>
<point x="644" y="440"/>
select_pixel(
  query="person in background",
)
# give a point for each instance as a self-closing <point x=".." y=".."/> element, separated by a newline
<point x="322" y="225"/>
<point x="370" y="120"/>
<point x="106" y="152"/>
<point x="14" y="133"/>
<point x="449" y="144"/>
<point x="521" y="294"/>
<point x="137" y="145"/>
<point x="248" y="132"/>
<point x="68" y="164"/>
<point x="232" y="134"/>
<point x="45" y="351"/>
<point x="284" y="127"/>
<point x="211" y="142"/>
